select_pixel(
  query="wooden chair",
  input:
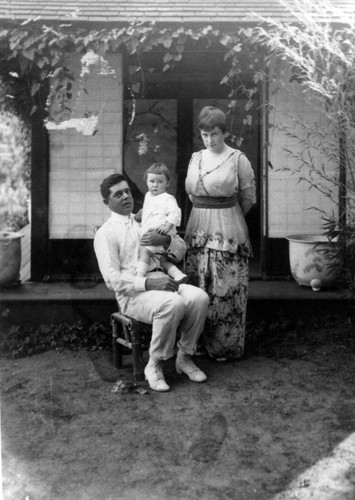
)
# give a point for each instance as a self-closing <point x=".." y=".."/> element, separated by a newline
<point x="135" y="337"/>
<point x="129" y="334"/>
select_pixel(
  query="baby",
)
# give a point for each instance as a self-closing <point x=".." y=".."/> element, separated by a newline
<point x="161" y="213"/>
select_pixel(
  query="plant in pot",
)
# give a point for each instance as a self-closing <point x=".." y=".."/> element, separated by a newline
<point x="316" y="58"/>
<point x="14" y="193"/>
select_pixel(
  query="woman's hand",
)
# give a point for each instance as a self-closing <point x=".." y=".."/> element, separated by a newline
<point x="246" y="205"/>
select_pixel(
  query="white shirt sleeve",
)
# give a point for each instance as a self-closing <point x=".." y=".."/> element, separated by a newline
<point x="117" y="278"/>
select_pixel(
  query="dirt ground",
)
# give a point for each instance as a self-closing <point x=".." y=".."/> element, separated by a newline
<point x="279" y="424"/>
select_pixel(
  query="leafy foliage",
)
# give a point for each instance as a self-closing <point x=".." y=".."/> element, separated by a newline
<point x="344" y="250"/>
<point x="35" y="77"/>
<point x="283" y="335"/>
<point x="14" y="171"/>
<point x="20" y="341"/>
<point x="34" y="55"/>
<point x="34" y="74"/>
<point x="264" y="337"/>
<point x="320" y="57"/>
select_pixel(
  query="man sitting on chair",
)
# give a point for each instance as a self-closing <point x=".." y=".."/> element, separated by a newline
<point x="155" y="299"/>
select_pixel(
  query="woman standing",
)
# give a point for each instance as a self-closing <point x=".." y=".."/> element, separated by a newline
<point x="220" y="183"/>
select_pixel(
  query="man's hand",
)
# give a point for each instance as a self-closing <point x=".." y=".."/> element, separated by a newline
<point x="165" y="283"/>
<point x="152" y="238"/>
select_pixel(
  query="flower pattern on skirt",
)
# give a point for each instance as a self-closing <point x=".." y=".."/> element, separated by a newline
<point x="224" y="276"/>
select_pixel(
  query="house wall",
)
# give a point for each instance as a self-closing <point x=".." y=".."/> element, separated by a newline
<point x="79" y="162"/>
<point x="290" y="202"/>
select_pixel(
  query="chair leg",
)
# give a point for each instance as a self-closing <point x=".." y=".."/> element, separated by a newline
<point x="116" y="347"/>
<point x="137" y="354"/>
<point x="132" y="336"/>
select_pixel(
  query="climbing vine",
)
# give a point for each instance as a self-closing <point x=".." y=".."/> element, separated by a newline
<point x="33" y="57"/>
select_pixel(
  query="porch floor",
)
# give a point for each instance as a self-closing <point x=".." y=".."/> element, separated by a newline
<point x="97" y="291"/>
<point x="69" y="302"/>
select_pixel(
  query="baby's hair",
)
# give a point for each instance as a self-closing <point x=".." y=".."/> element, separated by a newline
<point x="157" y="168"/>
<point x="211" y="117"/>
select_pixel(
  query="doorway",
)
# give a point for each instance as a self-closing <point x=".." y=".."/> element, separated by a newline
<point x="164" y="129"/>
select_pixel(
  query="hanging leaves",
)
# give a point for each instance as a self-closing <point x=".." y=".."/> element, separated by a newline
<point x="37" y="51"/>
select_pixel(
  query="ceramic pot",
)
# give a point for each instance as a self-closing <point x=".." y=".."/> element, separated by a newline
<point x="10" y="257"/>
<point x="311" y="260"/>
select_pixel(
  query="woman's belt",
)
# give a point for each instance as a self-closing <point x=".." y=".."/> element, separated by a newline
<point x="214" y="202"/>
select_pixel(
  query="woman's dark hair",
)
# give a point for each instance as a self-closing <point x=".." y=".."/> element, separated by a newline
<point x="110" y="181"/>
<point x="157" y="168"/>
<point x="211" y="117"/>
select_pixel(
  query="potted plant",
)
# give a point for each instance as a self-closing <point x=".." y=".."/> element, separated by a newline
<point x="313" y="260"/>
<point x="10" y="257"/>
<point x="319" y="58"/>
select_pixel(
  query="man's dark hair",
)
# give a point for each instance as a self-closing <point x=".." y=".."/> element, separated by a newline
<point x="110" y="181"/>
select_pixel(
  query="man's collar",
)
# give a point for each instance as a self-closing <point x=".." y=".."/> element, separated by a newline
<point x="123" y="219"/>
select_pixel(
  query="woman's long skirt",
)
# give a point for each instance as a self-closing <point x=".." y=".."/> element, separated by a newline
<point x="224" y="276"/>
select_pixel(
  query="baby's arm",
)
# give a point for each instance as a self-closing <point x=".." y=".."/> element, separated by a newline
<point x="173" y="212"/>
<point x="138" y="216"/>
